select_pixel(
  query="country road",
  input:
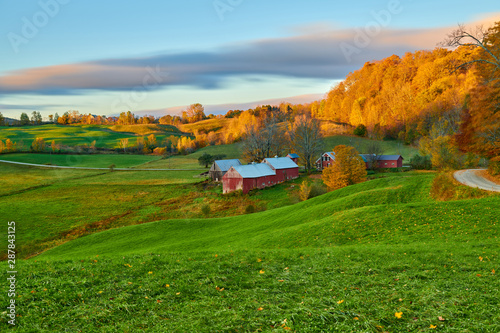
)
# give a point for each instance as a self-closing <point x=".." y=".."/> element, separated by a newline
<point x="85" y="168"/>
<point x="471" y="178"/>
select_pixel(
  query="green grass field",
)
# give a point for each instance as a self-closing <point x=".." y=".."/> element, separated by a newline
<point x="380" y="256"/>
<point x="361" y="145"/>
<point x="77" y="135"/>
<point x="89" y="161"/>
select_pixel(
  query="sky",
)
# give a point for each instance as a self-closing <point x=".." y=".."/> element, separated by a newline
<point x="157" y="57"/>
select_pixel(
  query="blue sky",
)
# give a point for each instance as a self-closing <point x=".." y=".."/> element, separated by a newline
<point x="104" y="57"/>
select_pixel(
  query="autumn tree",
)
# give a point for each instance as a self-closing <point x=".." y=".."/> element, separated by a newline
<point x="194" y="112"/>
<point x="123" y="144"/>
<point x="306" y="140"/>
<point x="346" y="169"/>
<point x="150" y="143"/>
<point x="10" y="145"/>
<point x="38" y="145"/>
<point x="482" y="120"/>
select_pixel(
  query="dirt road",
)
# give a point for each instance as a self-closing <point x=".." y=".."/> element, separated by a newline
<point x="471" y="178"/>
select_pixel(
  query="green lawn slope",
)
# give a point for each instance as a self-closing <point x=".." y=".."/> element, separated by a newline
<point x="392" y="210"/>
<point x="380" y="256"/>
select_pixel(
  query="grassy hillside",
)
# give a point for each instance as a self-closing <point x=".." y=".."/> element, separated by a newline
<point x="208" y="125"/>
<point x="56" y="205"/>
<point x="145" y="129"/>
<point x="393" y="210"/>
<point x="380" y="256"/>
<point x="76" y="135"/>
<point x="90" y="161"/>
<point x="361" y="145"/>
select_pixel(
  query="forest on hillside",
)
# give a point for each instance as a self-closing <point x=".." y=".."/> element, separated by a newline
<point x="448" y="96"/>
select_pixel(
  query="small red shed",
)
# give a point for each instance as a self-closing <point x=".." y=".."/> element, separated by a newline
<point x="248" y="177"/>
<point x="284" y="167"/>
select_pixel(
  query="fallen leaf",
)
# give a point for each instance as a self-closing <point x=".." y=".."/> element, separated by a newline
<point x="441" y="318"/>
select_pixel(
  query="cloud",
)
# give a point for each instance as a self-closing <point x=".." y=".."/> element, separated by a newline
<point x="329" y="54"/>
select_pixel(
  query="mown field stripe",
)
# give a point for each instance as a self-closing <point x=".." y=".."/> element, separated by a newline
<point x="87" y="168"/>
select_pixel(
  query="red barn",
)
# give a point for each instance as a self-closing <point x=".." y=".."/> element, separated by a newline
<point x="284" y="167"/>
<point x="390" y="161"/>
<point x="383" y="161"/>
<point x="325" y="160"/>
<point x="248" y="177"/>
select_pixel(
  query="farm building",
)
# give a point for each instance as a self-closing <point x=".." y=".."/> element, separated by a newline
<point x="248" y="177"/>
<point x="384" y="161"/>
<point x="220" y="167"/>
<point x="390" y="161"/>
<point x="294" y="157"/>
<point x="325" y="160"/>
<point x="284" y="167"/>
<point x="367" y="158"/>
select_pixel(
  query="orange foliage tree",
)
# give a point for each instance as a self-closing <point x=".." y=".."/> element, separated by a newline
<point x="348" y="168"/>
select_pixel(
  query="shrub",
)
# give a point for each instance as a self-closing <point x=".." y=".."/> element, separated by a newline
<point x="494" y="166"/>
<point x="159" y="151"/>
<point x="418" y="162"/>
<point x="205" y="209"/>
<point x="360" y="130"/>
<point x="250" y="209"/>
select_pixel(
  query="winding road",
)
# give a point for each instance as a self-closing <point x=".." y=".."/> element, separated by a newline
<point x="471" y="178"/>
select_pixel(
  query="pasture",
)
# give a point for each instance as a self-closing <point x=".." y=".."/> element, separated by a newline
<point x="380" y="256"/>
<point x="79" y="135"/>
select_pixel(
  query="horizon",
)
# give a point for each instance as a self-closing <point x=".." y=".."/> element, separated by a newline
<point x="107" y="58"/>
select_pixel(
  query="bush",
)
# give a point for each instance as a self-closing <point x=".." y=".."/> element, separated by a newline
<point x="250" y="209"/>
<point x="418" y="162"/>
<point x="494" y="166"/>
<point x="360" y="130"/>
<point x="205" y="209"/>
<point x="308" y="191"/>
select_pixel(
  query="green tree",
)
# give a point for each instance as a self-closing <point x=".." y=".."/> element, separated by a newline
<point x="206" y="159"/>
<point x="36" y="118"/>
<point x="2" y="119"/>
<point x="24" y="120"/>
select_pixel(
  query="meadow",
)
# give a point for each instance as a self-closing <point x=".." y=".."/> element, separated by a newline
<point x="81" y="160"/>
<point x="79" y="135"/>
<point x="166" y="251"/>
<point x="380" y="256"/>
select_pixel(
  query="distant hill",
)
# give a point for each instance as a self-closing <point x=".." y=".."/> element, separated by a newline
<point x="223" y="108"/>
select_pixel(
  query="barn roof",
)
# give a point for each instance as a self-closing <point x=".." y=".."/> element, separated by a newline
<point x="293" y="155"/>
<point x="281" y="163"/>
<point x="389" y="157"/>
<point x="254" y="170"/>
<point x="225" y="165"/>
<point x="366" y="157"/>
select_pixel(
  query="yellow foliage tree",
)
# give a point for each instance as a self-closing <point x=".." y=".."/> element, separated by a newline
<point x="348" y="168"/>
